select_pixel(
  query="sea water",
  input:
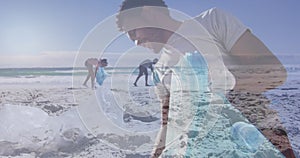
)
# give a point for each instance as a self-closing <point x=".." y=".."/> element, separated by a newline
<point x="285" y="100"/>
<point x="60" y="76"/>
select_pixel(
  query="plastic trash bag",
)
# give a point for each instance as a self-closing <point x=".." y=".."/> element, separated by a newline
<point x="101" y="75"/>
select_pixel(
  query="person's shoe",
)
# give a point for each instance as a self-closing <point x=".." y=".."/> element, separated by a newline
<point x="85" y="85"/>
<point x="134" y="84"/>
<point x="147" y="85"/>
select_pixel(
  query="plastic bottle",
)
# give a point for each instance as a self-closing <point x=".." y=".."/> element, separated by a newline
<point x="246" y="136"/>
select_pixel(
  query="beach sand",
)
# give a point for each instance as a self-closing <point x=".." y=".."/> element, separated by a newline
<point x="256" y="106"/>
<point x="65" y="121"/>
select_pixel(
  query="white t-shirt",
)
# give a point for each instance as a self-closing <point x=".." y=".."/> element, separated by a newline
<point x="213" y="33"/>
<point x="223" y="27"/>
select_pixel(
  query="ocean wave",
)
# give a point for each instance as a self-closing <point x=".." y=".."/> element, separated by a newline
<point x="33" y="79"/>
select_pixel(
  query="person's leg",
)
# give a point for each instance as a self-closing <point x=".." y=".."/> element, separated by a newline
<point x="87" y="77"/>
<point x="146" y="77"/>
<point x="140" y="74"/>
<point x="93" y="80"/>
<point x="92" y="75"/>
<point x="135" y="83"/>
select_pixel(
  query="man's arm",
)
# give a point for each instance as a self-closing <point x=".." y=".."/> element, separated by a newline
<point x="151" y="66"/>
<point x="163" y="92"/>
<point x="254" y="66"/>
<point x="258" y="71"/>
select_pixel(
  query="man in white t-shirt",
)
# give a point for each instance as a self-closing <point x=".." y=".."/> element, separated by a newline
<point x="221" y="39"/>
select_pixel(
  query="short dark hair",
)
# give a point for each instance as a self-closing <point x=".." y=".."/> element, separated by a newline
<point x="103" y="60"/>
<point x="129" y="4"/>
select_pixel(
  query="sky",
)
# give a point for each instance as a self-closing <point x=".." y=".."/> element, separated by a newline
<point x="49" y="33"/>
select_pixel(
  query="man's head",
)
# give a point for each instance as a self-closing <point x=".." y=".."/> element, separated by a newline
<point x="155" y="61"/>
<point x="136" y="6"/>
<point x="103" y="62"/>
<point x="146" y="22"/>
